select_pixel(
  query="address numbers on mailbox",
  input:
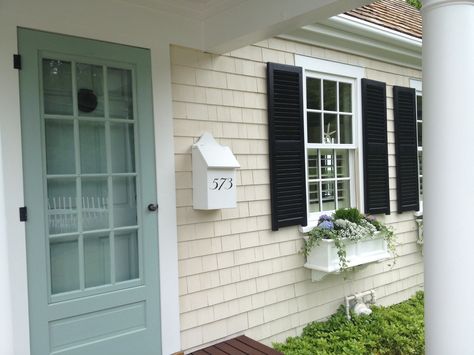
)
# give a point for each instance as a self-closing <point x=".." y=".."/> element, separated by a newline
<point x="214" y="183"/>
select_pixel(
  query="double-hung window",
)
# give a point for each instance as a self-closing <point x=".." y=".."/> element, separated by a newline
<point x="417" y="85"/>
<point x="331" y="100"/>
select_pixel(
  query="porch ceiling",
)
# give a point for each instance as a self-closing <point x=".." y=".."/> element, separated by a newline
<point x="229" y="24"/>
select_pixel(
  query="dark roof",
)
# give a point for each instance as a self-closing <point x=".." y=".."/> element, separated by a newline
<point x="394" y="14"/>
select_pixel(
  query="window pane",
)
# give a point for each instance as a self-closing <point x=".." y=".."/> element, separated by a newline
<point x="92" y="142"/>
<point x="330" y="95"/>
<point x="420" y="162"/>
<point x="313" y="169"/>
<point x="419" y="107"/>
<point x="328" y="195"/>
<point x="314" y="127"/>
<point x="90" y="90"/>
<point x="119" y="83"/>
<point x="126" y="256"/>
<point x="330" y="128"/>
<point x="57" y="87"/>
<point x="97" y="260"/>
<point x="314" y="197"/>
<point x="64" y="263"/>
<point x="421" y="188"/>
<point x="345" y="124"/>
<point x="343" y="194"/>
<point x="122" y="147"/>
<point x="345" y="97"/>
<point x="60" y="147"/>
<point x="62" y="209"/>
<point x="313" y="93"/>
<point x="342" y="160"/>
<point x="125" y="201"/>
<point x="420" y="134"/>
<point x="327" y="163"/>
<point x="95" y="213"/>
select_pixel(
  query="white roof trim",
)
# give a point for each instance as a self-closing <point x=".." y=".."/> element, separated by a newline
<point x="360" y="37"/>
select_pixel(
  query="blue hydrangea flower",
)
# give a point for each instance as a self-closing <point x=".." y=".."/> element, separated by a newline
<point x="324" y="217"/>
<point x="326" y="225"/>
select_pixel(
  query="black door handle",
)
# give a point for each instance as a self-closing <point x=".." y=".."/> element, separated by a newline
<point x="152" y="207"/>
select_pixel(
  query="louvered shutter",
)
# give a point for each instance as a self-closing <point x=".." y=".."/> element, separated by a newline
<point x="406" y="148"/>
<point x="374" y="118"/>
<point x="286" y="140"/>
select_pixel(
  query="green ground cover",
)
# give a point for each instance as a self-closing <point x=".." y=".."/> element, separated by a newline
<point x="394" y="330"/>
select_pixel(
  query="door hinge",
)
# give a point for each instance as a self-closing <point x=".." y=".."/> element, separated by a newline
<point x="23" y="214"/>
<point x="17" y="61"/>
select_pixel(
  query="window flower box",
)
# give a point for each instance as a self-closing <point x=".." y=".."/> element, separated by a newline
<point x="323" y="259"/>
<point x="346" y="239"/>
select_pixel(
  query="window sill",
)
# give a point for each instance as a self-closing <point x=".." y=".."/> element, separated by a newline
<point x="306" y="229"/>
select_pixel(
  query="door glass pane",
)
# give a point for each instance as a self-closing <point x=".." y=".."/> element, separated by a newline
<point x="90" y="90"/>
<point x="328" y="195"/>
<point x="125" y="201"/>
<point x="314" y="197"/>
<point x="314" y="127"/>
<point x="343" y="194"/>
<point x="57" y="87"/>
<point x="122" y="147"/>
<point x="119" y="83"/>
<point x="313" y="169"/>
<point x="62" y="208"/>
<point x="92" y="145"/>
<point x="64" y="265"/>
<point x="330" y="95"/>
<point x="330" y="128"/>
<point x="313" y="93"/>
<point x="95" y="213"/>
<point x="345" y="124"/>
<point x="345" y="97"/>
<point x="126" y="256"/>
<point x="342" y="161"/>
<point x="60" y="147"/>
<point x="97" y="260"/>
<point x="327" y="163"/>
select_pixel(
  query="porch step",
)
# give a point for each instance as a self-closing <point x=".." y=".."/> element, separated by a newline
<point x="241" y="345"/>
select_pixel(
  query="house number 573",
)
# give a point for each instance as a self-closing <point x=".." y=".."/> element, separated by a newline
<point x="221" y="184"/>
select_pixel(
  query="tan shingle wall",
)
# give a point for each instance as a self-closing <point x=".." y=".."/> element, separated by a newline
<point x="236" y="275"/>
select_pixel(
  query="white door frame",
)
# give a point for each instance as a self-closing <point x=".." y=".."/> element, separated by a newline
<point x="14" y="323"/>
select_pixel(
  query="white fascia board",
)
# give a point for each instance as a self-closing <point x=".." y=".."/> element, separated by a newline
<point x="355" y="36"/>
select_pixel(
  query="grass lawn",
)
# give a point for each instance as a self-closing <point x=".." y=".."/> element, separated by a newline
<point x="394" y="330"/>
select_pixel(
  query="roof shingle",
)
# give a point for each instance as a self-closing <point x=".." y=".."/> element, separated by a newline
<point x="394" y="14"/>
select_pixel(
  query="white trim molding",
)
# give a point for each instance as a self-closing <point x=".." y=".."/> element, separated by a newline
<point x="355" y="36"/>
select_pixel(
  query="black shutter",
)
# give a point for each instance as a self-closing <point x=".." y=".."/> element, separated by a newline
<point x="406" y="148"/>
<point x="374" y="118"/>
<point x="286" y="139"/>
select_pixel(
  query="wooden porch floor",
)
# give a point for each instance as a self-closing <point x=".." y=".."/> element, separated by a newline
<point x="241" y="345"/>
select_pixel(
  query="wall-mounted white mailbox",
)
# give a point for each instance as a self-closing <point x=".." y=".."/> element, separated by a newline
<point x="214" y="183"/>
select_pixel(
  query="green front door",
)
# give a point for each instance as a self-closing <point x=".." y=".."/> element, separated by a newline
<point x="89" y="177"/>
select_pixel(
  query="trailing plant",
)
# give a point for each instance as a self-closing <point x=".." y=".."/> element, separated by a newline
<point x="394" y="330"/>
<point x="347" y="224"/>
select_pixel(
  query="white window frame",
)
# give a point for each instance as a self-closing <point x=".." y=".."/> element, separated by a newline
<point x="325" y="69"/>
<point x="418" y="86"/>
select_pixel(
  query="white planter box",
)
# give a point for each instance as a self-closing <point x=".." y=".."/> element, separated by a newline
<point x="324" y="260"/>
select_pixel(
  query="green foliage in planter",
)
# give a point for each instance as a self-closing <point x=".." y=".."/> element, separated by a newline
<point x="349" y="214"/>
<point x="394" y="330"/>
